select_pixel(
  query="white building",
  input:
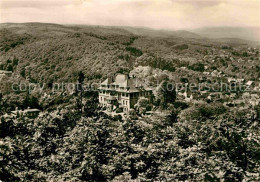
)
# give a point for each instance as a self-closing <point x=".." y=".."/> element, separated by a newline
<point x="121" y="92"/>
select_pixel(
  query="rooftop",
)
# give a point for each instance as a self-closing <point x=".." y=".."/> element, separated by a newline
<point x="5" y="72"/>
<point x="122" y="81"/>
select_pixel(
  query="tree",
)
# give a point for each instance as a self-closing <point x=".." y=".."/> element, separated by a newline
<point x="31" y="101"/>
<point x="23" y="73"/>
<point x="166" y="94"/>
<point x="1" y="103"/>
<point x="10" y="68"/>
<point x="91" y="103"/>
<point x="142" y="105"/>
<point x="197" y="67"/>
<point x="80" y="89"/>
<point x="172" y="117"/>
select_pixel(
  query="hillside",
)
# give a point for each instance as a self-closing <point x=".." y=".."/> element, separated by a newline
<point x="53" y="53"/>
<point x="250" y="33"/>
<point x="205" y="134"/>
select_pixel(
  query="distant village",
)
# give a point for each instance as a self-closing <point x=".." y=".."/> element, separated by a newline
<point x="123" y="93"/>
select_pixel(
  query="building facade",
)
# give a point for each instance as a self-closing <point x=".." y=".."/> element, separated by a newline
<point x="5" y="73"/>
<point x="30" y="113"/>
<point x="121" y="92"/>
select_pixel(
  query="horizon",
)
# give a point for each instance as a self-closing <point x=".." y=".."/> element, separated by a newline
<point x="251" y="34"/>
<point x="138" y="27"/>
<point x="159" y="15"/>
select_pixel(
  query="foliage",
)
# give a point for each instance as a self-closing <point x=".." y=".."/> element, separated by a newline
<point x="134" y="51"/>
<point x="143" y="105"/>
<point x="181" y="46"/>
<point x="197" y="67"/>
<point x="31" y="102"/>
<point x="64" y="147"/>
<point x="166" y="94"/>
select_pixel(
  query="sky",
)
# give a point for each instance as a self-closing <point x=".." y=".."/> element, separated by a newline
<point x="159" y="14"/>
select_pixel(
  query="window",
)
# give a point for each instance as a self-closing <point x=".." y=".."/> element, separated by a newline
<point x="101" y="99"/>
<point x="125" y="102"/>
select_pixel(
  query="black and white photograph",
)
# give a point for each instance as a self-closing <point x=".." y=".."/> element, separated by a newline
<point x="130" y="90"/>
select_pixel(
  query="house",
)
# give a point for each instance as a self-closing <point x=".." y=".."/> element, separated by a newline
<point x="238" y="102"/>
<point x="254" y="102"/>
<point x="206" y="73"/>
<point x="257" y="87"/>
<point x="255" y="96"/>
<point x="246" y="96"/>
<point x="249" y="83"/>
<point x="231" y="80"/>
<point x="240" y="80"/>
<point x="215" y="96"/>
<point x="5" y="73"/>
<point x="202" y="79"/>
<point x="203" y="92"/>
<point x="215" y="73"/>
<point x="188" y="99"/>
<point x="233" y="95"/>
<point x="30" y="113"/>
<point x="184" y="96"/>
<point x="121" y="92"/>
<point x="252" y="99"/>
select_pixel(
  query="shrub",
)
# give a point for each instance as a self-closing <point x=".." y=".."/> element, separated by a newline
<point x="197" y="67"/>
<point x="134" y="51"/>
<point x="119" y="110"/>
<point x="181" y="46"/>
<point x="181" y="105"/>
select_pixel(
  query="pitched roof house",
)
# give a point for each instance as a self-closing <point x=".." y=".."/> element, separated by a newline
<point x="5" y="73"/>
<point x="121" y="92"/>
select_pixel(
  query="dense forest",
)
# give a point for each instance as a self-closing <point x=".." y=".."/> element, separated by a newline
<point x="52" y="53"/>
<point x="206" y="143"/>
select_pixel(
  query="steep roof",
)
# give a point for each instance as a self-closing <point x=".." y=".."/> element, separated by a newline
<point x="120" y="78"/>
<point x="107" y="81"/>
<point x="123" y="81"/>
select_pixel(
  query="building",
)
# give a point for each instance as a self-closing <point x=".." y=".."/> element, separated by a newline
<point x="30" y="113"/>
<point x="121" y="92"/>
<point x="5" y="73"/>
<point x="249" y="83"/>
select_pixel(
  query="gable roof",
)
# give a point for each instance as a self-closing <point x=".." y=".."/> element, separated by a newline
<point x="123" y="81"/>
<point x="108" y="81"/>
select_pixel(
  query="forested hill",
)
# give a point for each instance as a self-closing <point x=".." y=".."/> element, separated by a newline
<point x="209" y="136"/>
<point x="50" y="52"/>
